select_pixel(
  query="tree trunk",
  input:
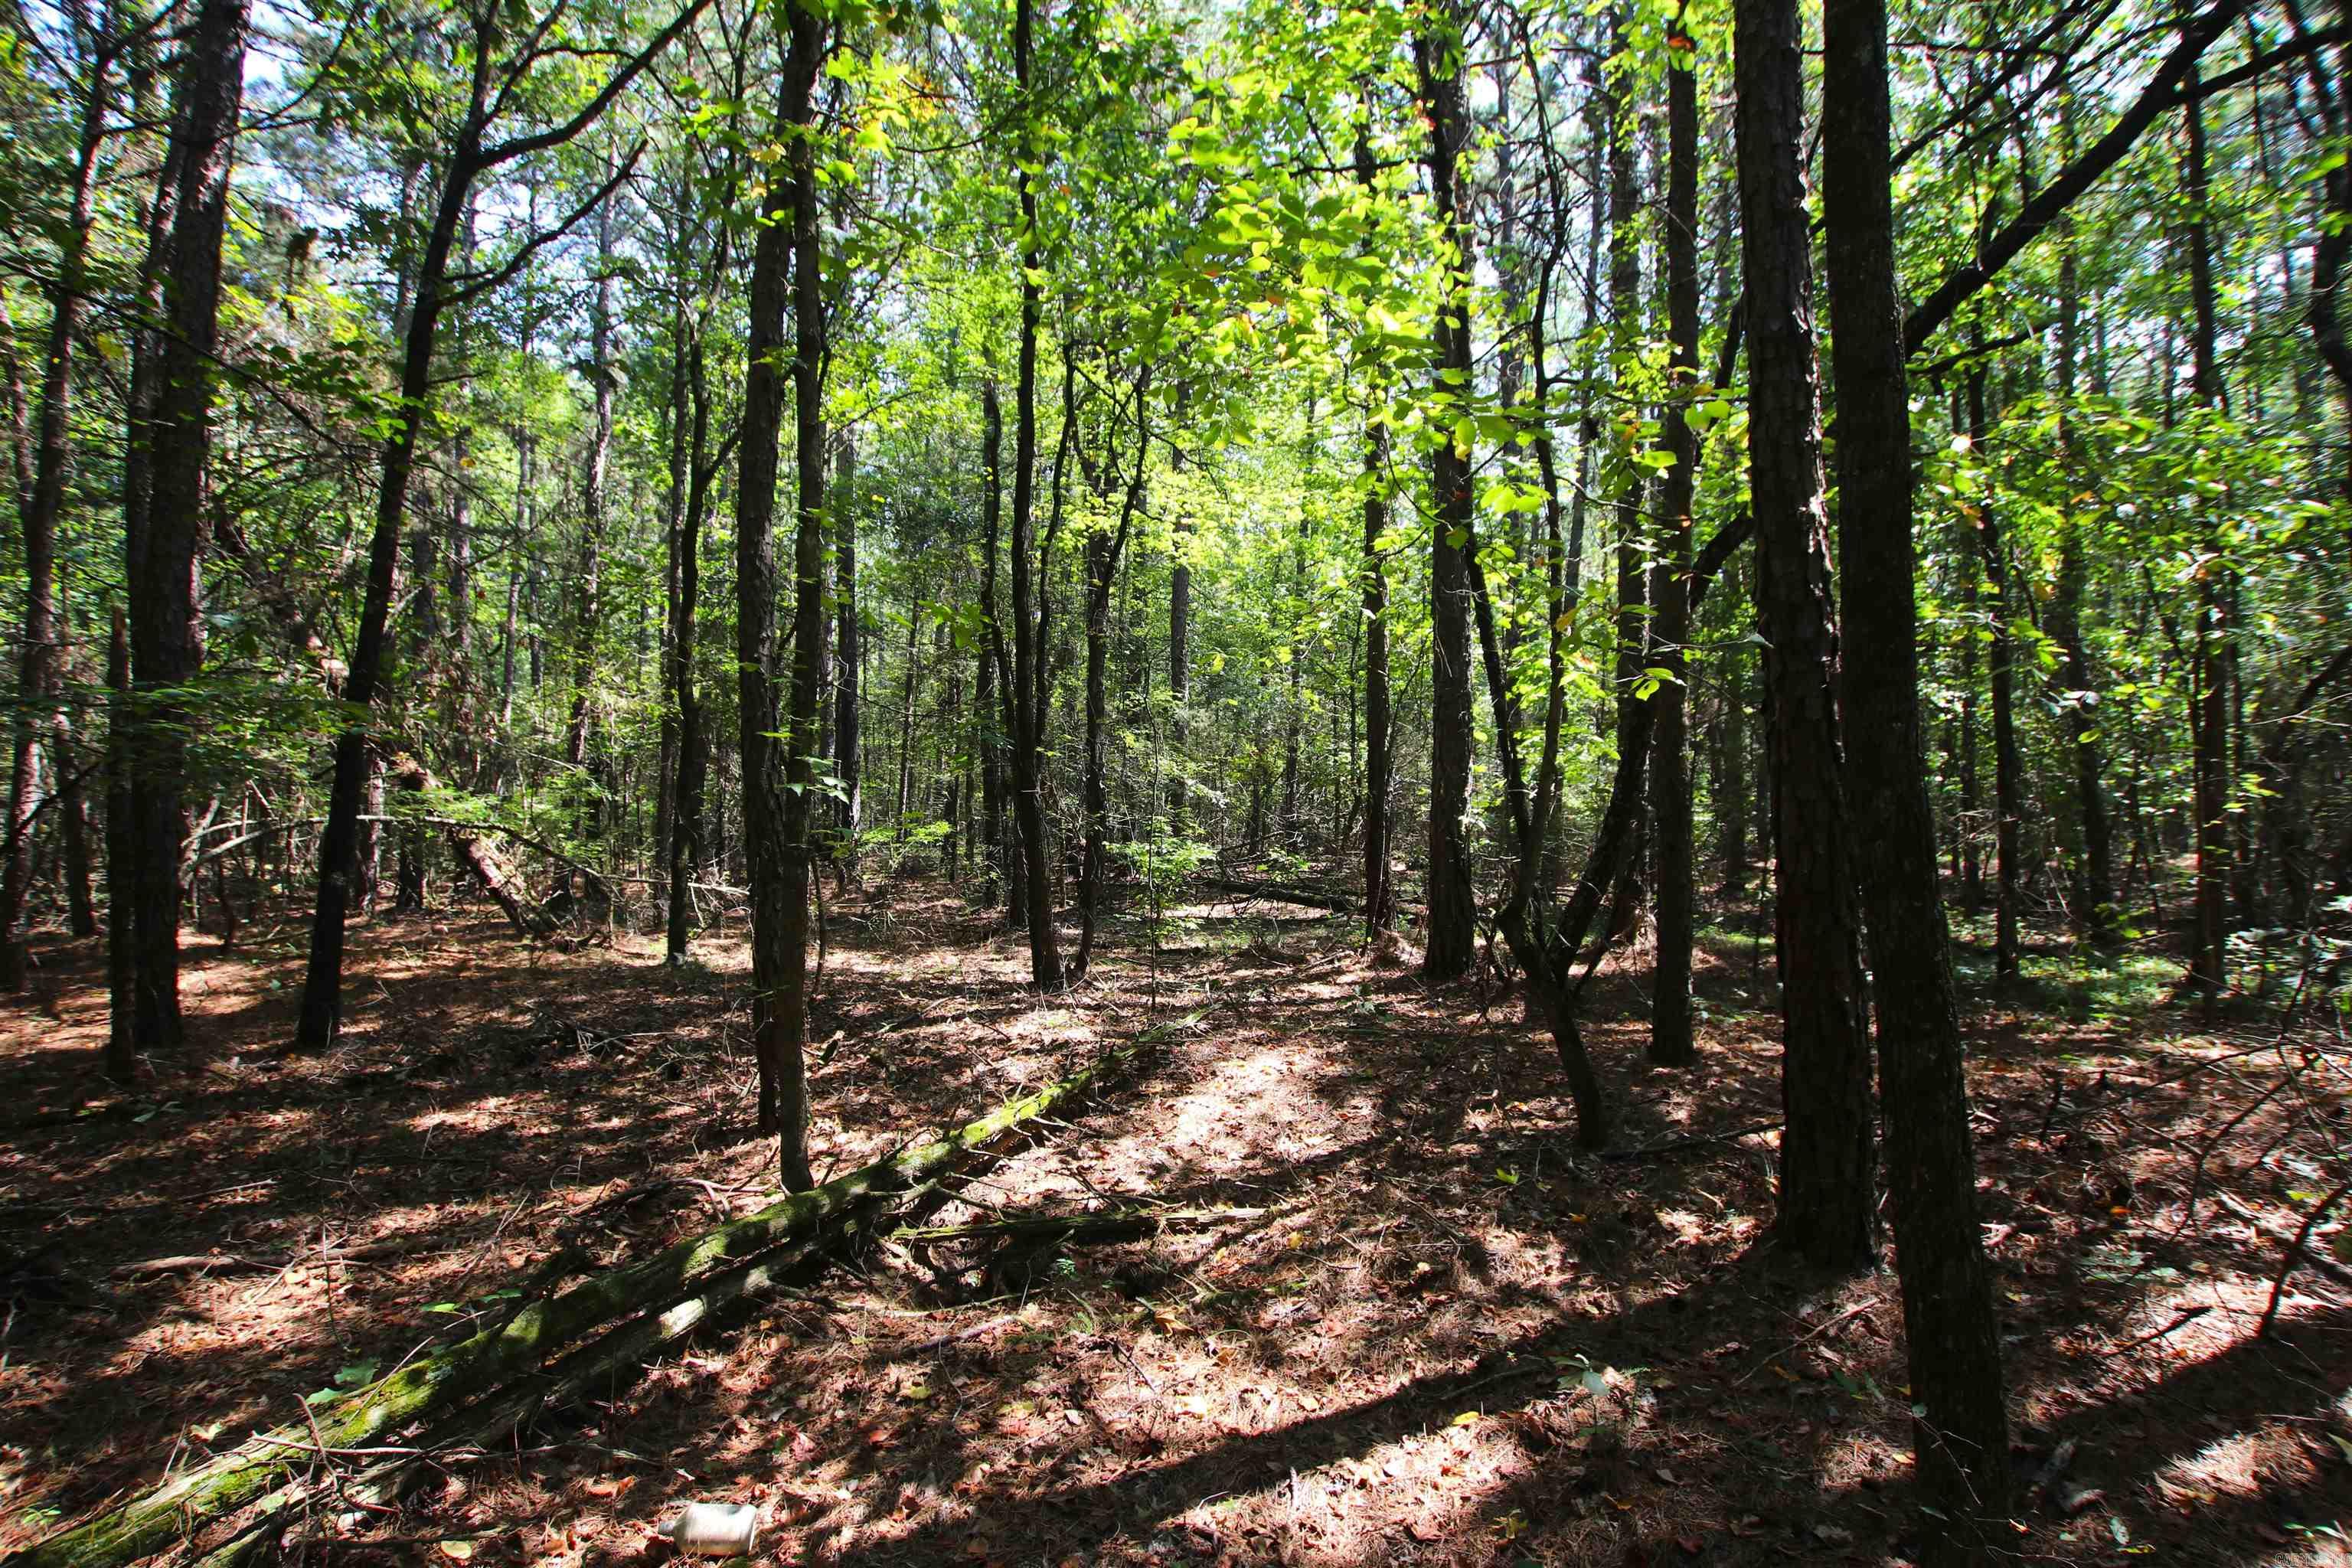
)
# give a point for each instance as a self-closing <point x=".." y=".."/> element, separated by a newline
<point x="1626" y="330"/>
<point x="1104" y="551"/>
<point x="687" y="845"/>
<point x="39" y="672"/>
<point x="2208" y="975"/>
<point x="1026" y="693"/>
<point x="1732" y="795"/>
<point x="1007" y="878"/>
<point x="121" y="1058"/>
<point x="2008" y="768"/>
<point x="167" y="634"/>
<point x="767" y="849"/>
<point x="1959" y="1434"/>
<point x="788" y="1025"/>
<point x="1451" y="938"/>
<point x="322" y="983"/>
<point x="847" y="732"/>
<point x="1670" y="782"/>
<point x="589" y="608"/>
<point x="1379" y="891"/>
<point x="2094" y="889"/>
<point x="1828" y="1188"/>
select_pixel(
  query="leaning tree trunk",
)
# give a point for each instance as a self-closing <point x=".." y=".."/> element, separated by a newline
<point x="1961" y="1432"/>
<point x="1828" y="1181"/>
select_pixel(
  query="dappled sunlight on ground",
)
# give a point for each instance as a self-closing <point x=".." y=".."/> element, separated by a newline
<point x="1384" y="1312"/>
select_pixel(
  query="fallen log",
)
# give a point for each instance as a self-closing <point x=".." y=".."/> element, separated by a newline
<point x="600" y="1367"/>
<point x="1274" y="893"/>
<point x="433" y="1387"/>
<point x="243" y="1263"/>
<point x="466" y="843"/>
<point x="1114" y="1224"/>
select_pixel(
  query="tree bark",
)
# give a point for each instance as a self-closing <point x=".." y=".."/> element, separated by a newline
<point x="848" y="737"/>
<point x="788" y="1025"/>
<point x="1104" y="551"/>
<point x="39" y="671"/>
<point x="1006" y="878"/>
<point x="167" y="632"/>
<point x="121" y="1057"/>
<point x="1380" y="889"/>
<point x="767" y="846"/>
<point x="2094" y="889"/>
<point x="1025" y="694"/>
<point x="1960" y="1433"/>
<point x="1670" y="1042"/>
<point x="686" y="847"/>
<point x="2208" y="975"/>
<point x="1828" y="1198"/>
<point x="1451" y="936"/>
<point x="2008" y="767"/>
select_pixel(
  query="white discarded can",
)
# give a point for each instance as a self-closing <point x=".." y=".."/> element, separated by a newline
<point x="716" y="1530"/>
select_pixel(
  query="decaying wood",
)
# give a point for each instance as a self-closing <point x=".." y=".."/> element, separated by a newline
<point x="243" y="1263"/>
<point x="1109" y="1224"/>
<point x="474" y="855"/>
<point x="1305" y="898"/>
<point x="667" y="1295"/>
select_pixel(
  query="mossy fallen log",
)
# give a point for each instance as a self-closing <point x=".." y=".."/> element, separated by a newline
<point x="432" y="1386"/>
<point x="600" y="1367"/>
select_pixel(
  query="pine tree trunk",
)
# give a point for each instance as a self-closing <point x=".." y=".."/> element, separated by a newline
<point x="848" y="737"/>
<point x="167" y="635"/>
<point x="1031" y="681"/>
<point x="1959" y="1434"/>
<point x="687" y="844"/>
<point x="40" y="668"/>
<point x="1451" y="933"/>
<point x="785" y="1050"/>
<point x="2208" y="975"/>
<point x="1379" y="895"/>
<point x="1827" y="1187"/>
<point x="2094" y="889"/>
<point x="1670" y="782"/>
<point x="121" y="1058"/>
<point x="2008" y="768"/>
<point x="767" y="848"/>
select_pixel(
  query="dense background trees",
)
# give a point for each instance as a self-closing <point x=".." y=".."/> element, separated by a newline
<point x="424" y="412"/>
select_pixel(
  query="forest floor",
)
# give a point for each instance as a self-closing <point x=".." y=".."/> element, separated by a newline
<point x="1407" y="1322"/>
